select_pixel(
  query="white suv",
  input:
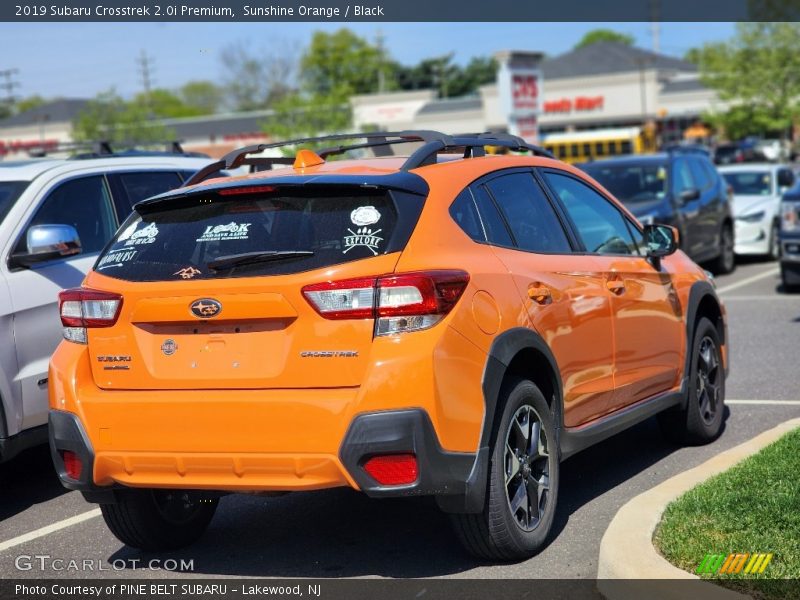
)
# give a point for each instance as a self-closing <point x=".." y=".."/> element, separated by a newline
<point x="55" y="218"/>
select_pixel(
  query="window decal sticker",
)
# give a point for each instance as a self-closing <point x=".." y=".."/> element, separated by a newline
<point x="365" y="215"/>
<point x="116" y="259"/>
<point x="231" y="231"/>
<point x="187" y="272"/>
<point x="362" y="237"/>
<point x="143" y="236"/>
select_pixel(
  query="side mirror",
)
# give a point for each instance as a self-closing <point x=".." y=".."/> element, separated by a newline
<point x="47" y="242"/>
<point x="689" y="195"/>
<point x="660" y="241"/>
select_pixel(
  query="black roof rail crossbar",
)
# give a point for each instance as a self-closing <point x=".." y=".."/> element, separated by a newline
<point x="233" y="159"/>
<point x="426" y="155"/>
<point x="434" y="143"/>
<point x="253" y="162"/>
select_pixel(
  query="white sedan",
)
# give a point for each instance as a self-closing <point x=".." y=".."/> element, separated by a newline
<point x="757" y="190"/>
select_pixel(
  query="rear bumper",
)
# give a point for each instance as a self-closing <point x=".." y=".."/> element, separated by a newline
<point x="441" y="473"/>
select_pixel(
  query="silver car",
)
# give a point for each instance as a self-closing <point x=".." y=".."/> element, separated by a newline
<point x="55" y="218"/>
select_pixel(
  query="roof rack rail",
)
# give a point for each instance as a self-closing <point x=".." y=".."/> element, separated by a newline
<point x="433" y="142"/>
<point x="106" y="148"/>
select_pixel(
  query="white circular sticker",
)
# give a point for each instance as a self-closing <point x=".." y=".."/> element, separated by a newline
<point x="365" y="215"/>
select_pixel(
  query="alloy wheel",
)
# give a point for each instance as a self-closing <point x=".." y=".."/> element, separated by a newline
<point x="527" y="468"/>
<point x="708" y="379"/>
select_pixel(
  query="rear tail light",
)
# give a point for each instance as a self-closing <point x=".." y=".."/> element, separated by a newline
<point x="400" y="303"/>
<point x="72" y="464"/>
<point x="393" y="469"/>
<point x="82" y="308"/>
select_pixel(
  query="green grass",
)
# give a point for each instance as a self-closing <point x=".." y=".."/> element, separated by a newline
<point x="753" y="507"/>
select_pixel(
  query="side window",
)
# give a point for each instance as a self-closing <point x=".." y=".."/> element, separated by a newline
<point x="496" y="231"/>
<point x="681" y="177"/>
<point x="83" y="203"/>
<point x="601" y="226"/>
<point x="699" y="175"/>
<point x="465" y="214"/>
<point x="528" y="212"/>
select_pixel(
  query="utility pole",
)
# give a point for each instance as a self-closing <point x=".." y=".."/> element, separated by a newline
<point x="7" y="85"/>
<point x="655" y="25"/>
<point x="145" y="63"/>
<point x="379" y="40"/>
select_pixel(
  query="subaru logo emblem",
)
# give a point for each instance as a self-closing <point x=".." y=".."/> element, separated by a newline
<point x="205" y="308"/>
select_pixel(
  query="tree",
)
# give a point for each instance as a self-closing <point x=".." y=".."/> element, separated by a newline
<point x="341" y="64"/>
<point x="205" y="96"/>
<point x="109" y="118"/>
<point x="334" y="67"/>
<point x="604" y="35"/>
<point x="758" y="73"/>
<point x="256" y="81"/>
<point x="165" y="104"/>
<point x="479" y="71"/>
<point x="29" y="103"/>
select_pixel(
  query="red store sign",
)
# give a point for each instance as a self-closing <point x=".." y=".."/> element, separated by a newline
<point x="579" y="103"/>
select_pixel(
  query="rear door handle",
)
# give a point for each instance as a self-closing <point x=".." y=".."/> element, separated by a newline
<point x="539" y="293"/>
<point x="616" y="286"/>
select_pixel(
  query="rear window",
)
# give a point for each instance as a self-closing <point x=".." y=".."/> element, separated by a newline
<point x="272" y="234"/>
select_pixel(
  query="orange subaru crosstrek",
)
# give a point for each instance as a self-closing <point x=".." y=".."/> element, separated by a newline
<point x="450" y="323"/>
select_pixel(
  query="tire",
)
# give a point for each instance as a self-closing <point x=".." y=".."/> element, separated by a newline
<point x="726" y="261"/>
<point x="774" y="252"/>
<point x="497" y="533"/>
<point x="156" y="520"/>
<point x="700" y="422"/>
<point x="789" y="287"/>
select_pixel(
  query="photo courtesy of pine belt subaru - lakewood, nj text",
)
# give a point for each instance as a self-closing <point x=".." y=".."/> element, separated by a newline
<point x="449" y="323"/>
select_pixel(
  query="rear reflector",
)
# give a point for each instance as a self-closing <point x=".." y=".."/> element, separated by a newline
<point x="82" y="308"/>
<point x="393" y="469"/>
<point x="72" y="464"/>
<point x="401" y="303"/>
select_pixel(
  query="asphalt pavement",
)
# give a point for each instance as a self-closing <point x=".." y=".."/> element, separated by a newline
<point x="341" y="533"/>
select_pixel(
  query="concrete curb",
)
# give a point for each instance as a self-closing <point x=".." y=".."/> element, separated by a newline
<point x="627" y="551"/>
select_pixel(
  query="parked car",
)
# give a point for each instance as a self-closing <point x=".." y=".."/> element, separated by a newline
<point x="679" y="188"/>
<point x="790" y="239"/>
<point x="56" y="215"/>
<point x="757" y="191"/>
<point x="739" y="152"/>
<point x="447" y="324"/>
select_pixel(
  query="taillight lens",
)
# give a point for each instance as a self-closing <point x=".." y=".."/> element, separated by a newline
<point x="393" y="469"/>
<point x="400" y="303"/>
<point x="82" y="308"/>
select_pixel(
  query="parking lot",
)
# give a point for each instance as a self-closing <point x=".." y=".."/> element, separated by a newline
<point x="341" y="533"/>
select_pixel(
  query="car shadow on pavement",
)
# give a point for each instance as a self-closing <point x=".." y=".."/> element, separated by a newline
<point x="28" y="479"/>
<point x="342" y="533"/>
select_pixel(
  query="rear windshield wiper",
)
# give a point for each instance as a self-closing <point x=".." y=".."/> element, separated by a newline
<point x="249" y="258"/>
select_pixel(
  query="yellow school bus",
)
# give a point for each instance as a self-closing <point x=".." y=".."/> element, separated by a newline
<point x="582" y="146"/>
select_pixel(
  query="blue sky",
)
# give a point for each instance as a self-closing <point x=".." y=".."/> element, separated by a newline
<point x="82" y="59"/>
